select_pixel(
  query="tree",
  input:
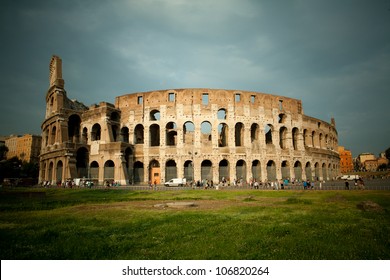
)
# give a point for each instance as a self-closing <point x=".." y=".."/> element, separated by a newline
<point x="387" y="153"/>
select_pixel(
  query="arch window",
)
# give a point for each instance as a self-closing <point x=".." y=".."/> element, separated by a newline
<point x="188" y="133"/>
<point x="255" y="132"/>
<point x="239" y="134"/>
<point x="154" y="135"/>
<point x="282" y="138"/>
<point x="223" y="131"/>
<point x="205" y="128"/>
<point x="295" y="133"/>
<point x="139" y="134"/>
<point x="155" y="115"/>
<point x="268" y="134"/>
<point x="171" y="134"/>
<point x="96" y="132"/>
<point x="85" y="135"/>
<point x="285" y="170"/>
<point x="115" y="117"/>
<point x="74" y="128"/>
<point x="189" y="170"/>
<point x="298" y="170"/>
<point x="125" y="134"/>
<point x="221" y="114"/>
<point x="53" y="135"/>
<point x="138" y="172"/>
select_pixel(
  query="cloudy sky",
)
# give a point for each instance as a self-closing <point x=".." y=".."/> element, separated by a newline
<point x="334" y="55"/>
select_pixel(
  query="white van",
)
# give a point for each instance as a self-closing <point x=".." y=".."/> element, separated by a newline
<point x="176" y="182"/>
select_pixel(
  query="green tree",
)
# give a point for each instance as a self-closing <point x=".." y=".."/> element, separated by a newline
<point x="3" y="152"/>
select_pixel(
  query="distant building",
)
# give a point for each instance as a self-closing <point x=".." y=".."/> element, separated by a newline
<point x="369" y="162"/>
<point x="346" y="163"/>
<point x="26" y="147"/>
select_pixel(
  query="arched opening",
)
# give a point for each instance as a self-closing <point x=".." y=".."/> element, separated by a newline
<point x="138" y="172"/>
<point x="74" y="128"/>
<point x="53" y="135"/>
<point x="50" y="172"/>
<point x="298" y="171"/>
<point x="282" y="138"/>
<point x="305" y="140"/>
<point x="129" y="159"/>
<point x="115" y="117"/>
<point x="82" y="162"/>
<point x="171" y="134"/>
<point x="295" y="134"/>
<point x="282" y="118"/>
<point x="109" y="171"/>
<point x="154" y="115"/>
<point x="206" y="170"/>
<point x="188" y="133"/>
<point x="308" y="171"/>
<point x="241" y="171"/>
<point x="221" y="114"/>
<point x="317" y="171"/>
<point x="125" y="134"/>
<point x="85" y="135"/>
<point x="268" y="134"/>
<point x="285" y="170"/>
<point x="255" y="129"/>
<point x="324" y="172"/>
<point x="170" y="170"/>
<point x="205" y="129"/>
<point x="115" y="133"/>
<point x="94" y="171"/>
<point x="154" y="135"/>
<point x="96" y="132"/>
<point x="223" y="171"/>
<point x="239" y="134"/>
<point x="154" y="172"/>
<point x="223" y="131"/>
<point x="189" y="170"/>
<point x="59" y="171"/>
<point x="256" y="170"/>
<point x="271" y="171"/>
<point x="139" y="134"/>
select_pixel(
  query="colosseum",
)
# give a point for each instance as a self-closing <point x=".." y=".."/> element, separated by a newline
<point x="197" y="134"/>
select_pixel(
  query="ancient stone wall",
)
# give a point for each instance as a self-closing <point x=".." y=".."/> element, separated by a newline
<point x="199" y="134"/>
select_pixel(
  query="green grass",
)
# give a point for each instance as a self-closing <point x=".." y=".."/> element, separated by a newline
<point x="124" y="224"/>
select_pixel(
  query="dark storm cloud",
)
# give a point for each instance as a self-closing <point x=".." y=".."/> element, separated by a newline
<point x="334" y="55"/>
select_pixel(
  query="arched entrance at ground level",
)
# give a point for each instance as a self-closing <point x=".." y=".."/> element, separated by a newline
<point x="82" y="160"/>
<point x="109" y="171"/>
<point x="170" y="170"/>
<point x="317" y="171"/>
<point x="241" y="171"/>
<point x="308" y="171"/>
<point x="271" y="171"/>
<point x="94" y="170"/>
<point x="256" y="170"/>
<point x="59" y="171"/>
<point x="206" y="170"/>
<point x="129" y="158"/>
<point x="138" y="172"/>
<point x="50" y="172"/>
<point x="154" y="172"/>
<point x="223" y="171"/>
<point x="189" y="171"/>
<point x="324" y="172"/>
<point x="298" y="171"/>
<point x="285" y="170"/>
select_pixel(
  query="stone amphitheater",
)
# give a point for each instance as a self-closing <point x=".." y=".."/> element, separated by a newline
<point x="197" y="134"/>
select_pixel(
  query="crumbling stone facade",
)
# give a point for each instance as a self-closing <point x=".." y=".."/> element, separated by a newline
<point x="193" y="133"/>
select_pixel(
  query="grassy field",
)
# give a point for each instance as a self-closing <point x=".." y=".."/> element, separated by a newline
<point x="234" y="224"/>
